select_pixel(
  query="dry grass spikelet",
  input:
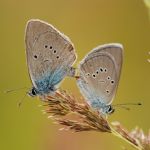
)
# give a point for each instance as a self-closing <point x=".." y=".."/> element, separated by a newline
<point x="62" y="105"/>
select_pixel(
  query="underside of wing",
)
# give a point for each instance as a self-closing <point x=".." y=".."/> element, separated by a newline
<point x="49" y="53"/>
<point x="114" y="49"/>
<point x="100" y="72"/>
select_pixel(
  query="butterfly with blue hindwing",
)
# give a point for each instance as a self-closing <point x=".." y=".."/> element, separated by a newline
<point x="99" y="74"/>
<point x="50" y="56"/>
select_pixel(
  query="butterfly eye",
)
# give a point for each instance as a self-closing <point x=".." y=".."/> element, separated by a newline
<point x="33" y="91"/>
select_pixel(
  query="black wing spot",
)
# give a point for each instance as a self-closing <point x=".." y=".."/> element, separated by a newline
<point x="107" y="91"/>
<point x="94" y="76"/>
<point x="35" y="56"/>
<point x="108" y="78"/>
<point x="45" y="46"/>
<point x="54" y="51"/>
<point x="101" y="69"/>
<point x="105" y="69"/>
<point x="97" y="71"/>
<point x="88" y="74"/>
<point x="112" y="81"/>
<point x="57" y="57"/>
<point x="50" y="47"/>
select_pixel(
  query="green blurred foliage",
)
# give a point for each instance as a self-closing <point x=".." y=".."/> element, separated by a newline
<point x="147" y="3"/>
<point x="88" y="24"/>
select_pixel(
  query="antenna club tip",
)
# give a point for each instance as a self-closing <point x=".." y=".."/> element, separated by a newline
<point x="139" y="103"/>
<point x="19" y="104"/>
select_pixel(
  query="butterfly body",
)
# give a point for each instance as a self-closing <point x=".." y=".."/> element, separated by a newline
<point x="99" y="76"/>
<point x="50" y="56"/>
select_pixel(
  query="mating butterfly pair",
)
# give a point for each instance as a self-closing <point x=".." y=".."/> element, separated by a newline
<point x="51" y="54"/>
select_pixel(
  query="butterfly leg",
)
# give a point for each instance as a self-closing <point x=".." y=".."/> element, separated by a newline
<point x="77" y="77"/>
<point x="71" y="72"/>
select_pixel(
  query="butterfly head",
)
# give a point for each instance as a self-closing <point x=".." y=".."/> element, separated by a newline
<point x="33" y="92"/>
<point x="108" y="110"/>
<point x="41" y="91"/>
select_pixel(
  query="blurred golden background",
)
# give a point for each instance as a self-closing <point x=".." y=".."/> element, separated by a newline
<point x="88" y="24"/>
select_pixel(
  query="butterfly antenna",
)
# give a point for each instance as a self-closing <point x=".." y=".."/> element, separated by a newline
<point x="21" y="100"/>
<point x="12" y="90"/>
<point x="124" y="105"/>
<point x="137" y="104"/>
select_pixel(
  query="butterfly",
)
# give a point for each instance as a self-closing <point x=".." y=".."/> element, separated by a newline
<point x="99" y="74"/>
<point x="50" y="56"/>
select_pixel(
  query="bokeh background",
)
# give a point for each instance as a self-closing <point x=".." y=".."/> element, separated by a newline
<point x="88" y="23"/>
